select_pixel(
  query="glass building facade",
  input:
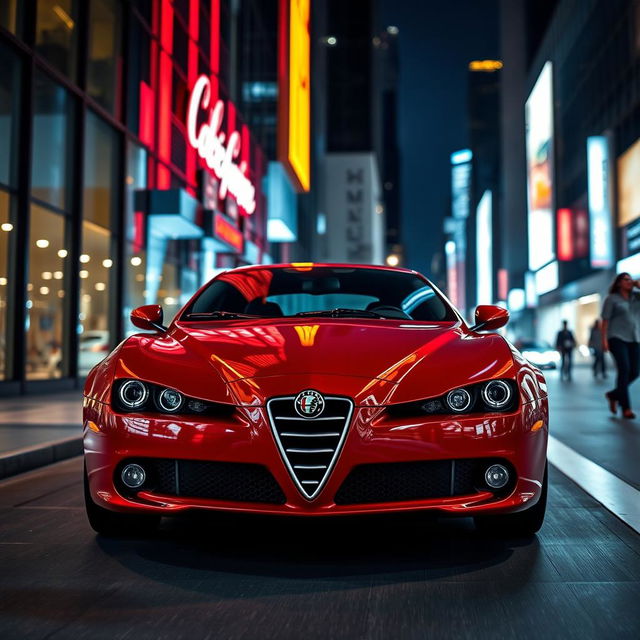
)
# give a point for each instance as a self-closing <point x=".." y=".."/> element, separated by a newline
<point x="105" y="203"/>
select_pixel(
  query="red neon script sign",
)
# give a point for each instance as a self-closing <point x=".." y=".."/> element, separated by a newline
<point x="209" y="143"/>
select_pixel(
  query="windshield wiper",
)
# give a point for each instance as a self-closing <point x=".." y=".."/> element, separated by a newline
<point x="217" y="315"/>
<point x="340" y="312"/>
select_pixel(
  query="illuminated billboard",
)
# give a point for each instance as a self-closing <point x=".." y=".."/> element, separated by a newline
<point x="599" y="185"/>
<point x="539" y="123"/>
<point x="629" y="185"/>
<point x="294" y="92"/>
<point x="484" y="250"/>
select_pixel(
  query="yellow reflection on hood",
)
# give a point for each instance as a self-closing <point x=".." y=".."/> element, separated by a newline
<point x="307" y="334"/>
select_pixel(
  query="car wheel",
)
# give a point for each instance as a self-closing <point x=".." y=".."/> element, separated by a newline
<point x="521" y="524"/>
<point x="113" y="524"/>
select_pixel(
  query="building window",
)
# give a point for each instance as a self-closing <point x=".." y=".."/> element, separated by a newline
<point x="46" y="290"/>
<point x="96" y="259"/>
<point x="56" y="34"/>
<point x="51" y="157"/>
<point x="103" y="81"/>
<point x="135" y="228"/>
<point x="140" y="106"/>
<point x="9" y="109"/>
<point x="10" y="11"/>
<point x="6" y="233"/>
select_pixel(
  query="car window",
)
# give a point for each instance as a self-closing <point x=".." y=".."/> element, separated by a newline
<point x="287" y="291"/>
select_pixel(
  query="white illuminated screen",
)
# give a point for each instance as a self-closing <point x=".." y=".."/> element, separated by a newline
<point x="600" y="227"/>
<point x="531" y="296"/>
<point x="516" y="300"/>
<point x="547" y="278"/>
<point x="539" y="121"/>
<point x="484" y="249"/>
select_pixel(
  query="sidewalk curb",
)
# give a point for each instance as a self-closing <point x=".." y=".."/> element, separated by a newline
<point x="39" y="455"/>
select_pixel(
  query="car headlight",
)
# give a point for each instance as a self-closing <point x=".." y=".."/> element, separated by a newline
<point x="133" y="394"/>
<point x="137" y="396"/>
<point x="459" y="400"/>
<point x="170" y="400"/>
<point x="497" y="394"/>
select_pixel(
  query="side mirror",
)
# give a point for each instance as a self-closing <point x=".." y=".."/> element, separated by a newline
<point x="490" y="317"/>
<point x="148" y="317"/>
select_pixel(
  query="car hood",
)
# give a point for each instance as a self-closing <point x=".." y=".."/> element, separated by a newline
<point x="375" y="362"/>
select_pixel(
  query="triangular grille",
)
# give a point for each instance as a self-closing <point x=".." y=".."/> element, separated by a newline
<point x="310" y="446"/>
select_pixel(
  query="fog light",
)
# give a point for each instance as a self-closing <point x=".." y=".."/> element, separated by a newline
<point x="496" y="476"/>
<point x="133" y="476"/>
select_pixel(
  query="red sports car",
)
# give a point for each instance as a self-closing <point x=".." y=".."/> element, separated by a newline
<point x="313" y="390"/>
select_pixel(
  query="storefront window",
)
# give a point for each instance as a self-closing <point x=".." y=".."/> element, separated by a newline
<point x="46" y="290"/>
<point x="96" y="261"/>
<point x="56" y="34"/>
<point x="169" y="289"/>
<point x="135" y="226"/>
<point x="140" y="115"/>
<point x="51" y="134"/>
<point x="103" y="80"/>
<point x="6" y="230"/>
<point x="10" y="15"/>
<point x="9" y="95"/>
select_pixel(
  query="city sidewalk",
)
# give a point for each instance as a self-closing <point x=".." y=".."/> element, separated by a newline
<point x="579" y="417"/>
<point x="36" y="430"/>
<point x="39" y="430"/>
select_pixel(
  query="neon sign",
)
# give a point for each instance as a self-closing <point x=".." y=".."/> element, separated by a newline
<point x="209" y="142"/>
<point x="227" y="232"/>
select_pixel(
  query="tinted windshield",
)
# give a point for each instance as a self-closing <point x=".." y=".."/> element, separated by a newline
<point x="338" y="291"/>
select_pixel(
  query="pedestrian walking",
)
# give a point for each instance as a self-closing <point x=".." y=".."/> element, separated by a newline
<point x="565" y="344"/>
<point x="595" y="346"/>
<point x="621" y="336"/>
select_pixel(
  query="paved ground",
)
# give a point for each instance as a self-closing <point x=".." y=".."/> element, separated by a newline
<point x="580" y="418"/>
<point x="31" y="420"/>
<point x="254" y="578"/>
<point x="233" y="577"/>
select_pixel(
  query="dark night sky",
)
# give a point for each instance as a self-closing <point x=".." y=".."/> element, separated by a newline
<point x="436" y="42"/>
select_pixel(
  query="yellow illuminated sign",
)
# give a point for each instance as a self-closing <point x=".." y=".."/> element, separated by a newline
<point x="295" y="86"/>
<point x="485" y="65"/>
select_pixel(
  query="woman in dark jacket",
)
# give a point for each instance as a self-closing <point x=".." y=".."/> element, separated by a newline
<point x="621" y="336"/>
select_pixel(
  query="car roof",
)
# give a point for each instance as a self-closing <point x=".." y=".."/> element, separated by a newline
<point x="313" y="265"/>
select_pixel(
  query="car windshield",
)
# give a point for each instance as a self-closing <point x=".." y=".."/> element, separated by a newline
<point x="320" y="291"/>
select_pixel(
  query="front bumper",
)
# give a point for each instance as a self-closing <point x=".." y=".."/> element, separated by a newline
<point x="373" y="437"/>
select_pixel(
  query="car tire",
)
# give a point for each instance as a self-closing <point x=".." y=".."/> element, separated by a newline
<point x="522" y="524"/>
<point x="116" y="525"/>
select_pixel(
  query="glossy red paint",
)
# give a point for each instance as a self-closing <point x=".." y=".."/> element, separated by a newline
<point x="378" y="363"/>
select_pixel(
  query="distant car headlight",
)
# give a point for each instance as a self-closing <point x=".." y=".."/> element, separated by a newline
<point x="459" y="400"/>
<point x="170" y="400"/>
<point x="133" y="394"/>
<point x="496" y="394"/>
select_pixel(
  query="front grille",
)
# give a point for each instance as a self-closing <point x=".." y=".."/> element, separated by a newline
<point x="310" y="446"/>
<point x="234" y="481"/>
<point x="402" y="481"/>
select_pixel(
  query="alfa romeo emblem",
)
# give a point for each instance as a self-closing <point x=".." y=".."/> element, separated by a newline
<point x="309" y="404"/>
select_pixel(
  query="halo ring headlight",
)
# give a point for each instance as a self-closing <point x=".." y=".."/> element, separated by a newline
<point x="170" y="400"/>
<point x="458" y="400"/>
<point x="133" y="394"/>
<point x="496" y="394"/>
